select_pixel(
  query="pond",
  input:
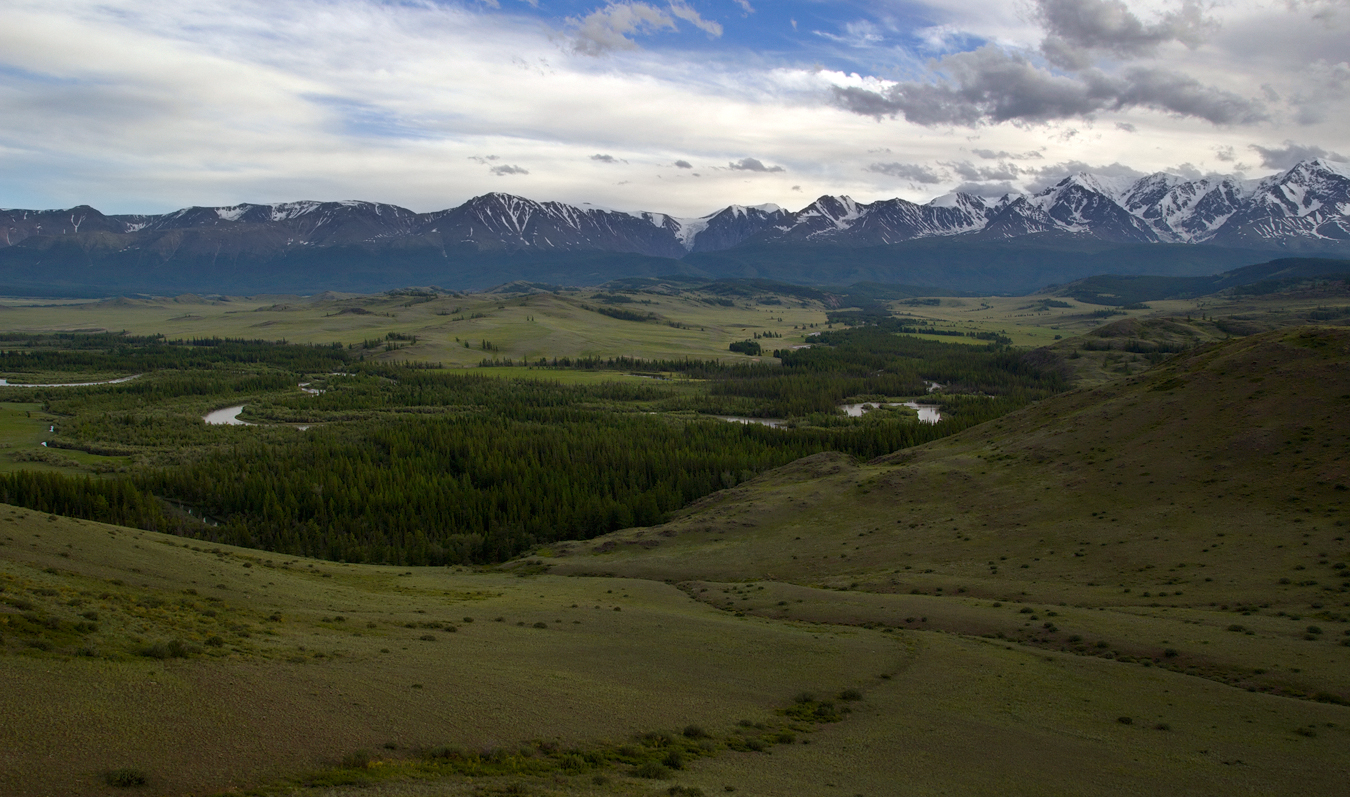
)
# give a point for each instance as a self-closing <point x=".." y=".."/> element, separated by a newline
<point x="928" y="413"/>
<point x="228" y="416"/>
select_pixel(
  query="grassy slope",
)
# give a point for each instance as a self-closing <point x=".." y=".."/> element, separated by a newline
<point x="1147" y="515"/>
<point x="286" y="695"/>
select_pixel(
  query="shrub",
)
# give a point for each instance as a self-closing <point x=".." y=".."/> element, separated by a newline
<point x="443" y="752"/>
<point x="685" y="791"/>
<point x="173" y="649"/>
<point x="674" y="760"/>
<point x="1238" y="628"/>
<point x="850" y="694"/>
<point x="694" y="732"/>
<point x="541" y="625"/>
<point x="1125" y="720"/>
<point x="126" y="778"/>
<point x="652" y="770"/>
<point x="1170" y="653"/>
<point x="359" y="759"/>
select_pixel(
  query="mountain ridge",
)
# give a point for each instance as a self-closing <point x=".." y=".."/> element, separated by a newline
<point x="359" y="245"/>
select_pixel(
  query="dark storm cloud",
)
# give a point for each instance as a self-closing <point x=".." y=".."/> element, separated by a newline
<point x="1077" y="29"/>
<point x="991" y="85"/>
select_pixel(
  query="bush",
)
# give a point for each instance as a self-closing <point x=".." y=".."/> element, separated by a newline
<point x="541" y="625"/>
<point x="443" y="753"/>
<point x="674" y="760"/>
<point x="126" y="778"/>
<point x="1125" y="720"/>
<point x="173" y="649"/>
<point x="357" y="760"/>
<point x="850" y="694"/>
<point x="694" y="732"/>
<point x="652" y="770"/>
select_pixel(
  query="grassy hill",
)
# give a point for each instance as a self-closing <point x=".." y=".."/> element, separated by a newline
<point x="1135" y="587"/>
<point x="1190" y="518"/>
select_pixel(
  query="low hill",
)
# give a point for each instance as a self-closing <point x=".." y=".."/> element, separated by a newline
<point x="1151" y="508"/>
<point x="1261" y="278"/>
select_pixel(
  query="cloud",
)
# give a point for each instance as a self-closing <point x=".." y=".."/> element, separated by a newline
<point x="1324" y="86"/>
<point x="986" y="189"/>
<point x="1291" y="154"/>
<point x="1050" y="175"/>
<point x="746" y="8"/>
<point x="683" y="165"/>
<point x="998" y="172"/>
<point x="1128" y="127"/>
<point x="606" y="159"/>
<point x="752" y="165"/>
<point x="506" y="169"/>
<point x="796" y="188"/>
<point x="483" y="159"/>
<point x="612" y="27"/>
<point x="991" y="155"/>
<point x="1225" y="154"/>
<point x="684" y="12"/>
<point x="1077" y="29"/>
<point x="906" y="171"/>
<point x="990" y="85"/>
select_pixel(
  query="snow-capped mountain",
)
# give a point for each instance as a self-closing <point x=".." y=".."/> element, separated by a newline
<point x="488" y="223"/>
<point x="1305" y="209"/>
<point x="1309" y="203"/>
<point x="840" y="219"/>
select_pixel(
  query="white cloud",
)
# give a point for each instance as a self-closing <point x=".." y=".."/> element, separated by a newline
<point x="147" y="105"/>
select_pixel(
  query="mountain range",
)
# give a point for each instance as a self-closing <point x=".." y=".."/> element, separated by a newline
<point x="1174" y="225"/>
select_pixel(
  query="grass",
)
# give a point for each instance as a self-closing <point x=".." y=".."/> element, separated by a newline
<point x="290" y="693"/>
<point x="518" y="327"/>
<point x="974" y="617"/>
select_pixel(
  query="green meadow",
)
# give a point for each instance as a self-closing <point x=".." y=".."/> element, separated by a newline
<point x="1130" y="578"/>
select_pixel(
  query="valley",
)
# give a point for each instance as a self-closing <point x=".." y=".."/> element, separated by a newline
<point x="1118" y="563"/>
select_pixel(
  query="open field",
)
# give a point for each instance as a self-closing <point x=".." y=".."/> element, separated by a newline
<point x="517" y="326"/>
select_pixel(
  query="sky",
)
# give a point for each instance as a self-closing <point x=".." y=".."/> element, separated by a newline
<point x="675" y="106"/>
